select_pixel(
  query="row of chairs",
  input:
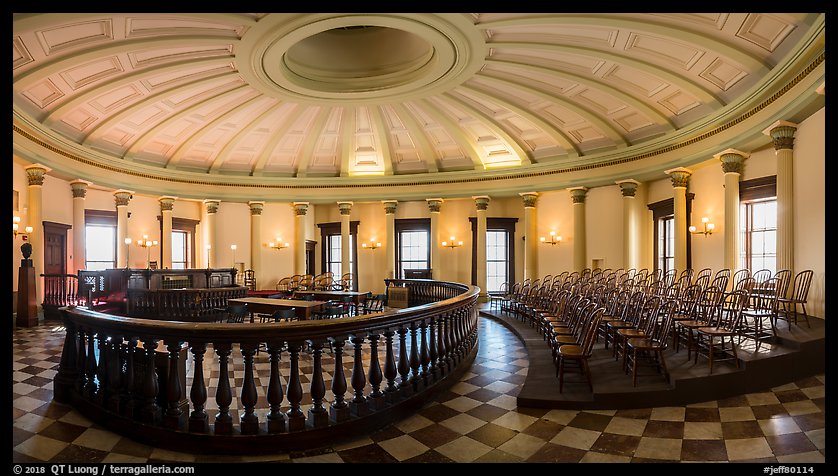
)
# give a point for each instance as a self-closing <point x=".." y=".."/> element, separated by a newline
<point x="321" y="282"/>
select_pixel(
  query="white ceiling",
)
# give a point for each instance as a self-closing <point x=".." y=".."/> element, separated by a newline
<point x="420" y="93"/>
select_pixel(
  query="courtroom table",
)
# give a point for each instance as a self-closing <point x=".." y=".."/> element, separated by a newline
<point x="357" y="297"/>
<point x="269" y="305"/>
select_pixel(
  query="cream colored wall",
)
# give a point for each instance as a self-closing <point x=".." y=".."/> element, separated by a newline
<point x="277" y="221"/>
<point x="707" y="183"/>
<point x="810" y="207"/>
<point x="604" y="229"/>
<point x="554" y="212"/>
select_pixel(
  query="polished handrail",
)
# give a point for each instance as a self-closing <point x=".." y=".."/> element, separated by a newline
<point x="401" y="357"/>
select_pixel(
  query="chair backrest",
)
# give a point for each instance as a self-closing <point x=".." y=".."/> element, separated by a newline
<point x="762" y="275"/>
<point x="784" y="275"/>
<point x="719" y="282"/>
<point x="591" y="330"/>
<point x="665" y="317"/>
<point x="801" y="285"/>
<point x="374" y="303"/>
<point x="723" y="272"/>
<point x="236" y="312"/>
<point x="746" y="284"/>
<point x="686" y="276"/>
<point x="709" y="305"/>
<point x="739" y="275"/>
<point x="734" y="304"/>
<point x="285" y="314"/>
<point x="647" y="319"/>
<point x="765" y="296"/>
<point x="689" y="299"/>
<point x="703" y="280"/>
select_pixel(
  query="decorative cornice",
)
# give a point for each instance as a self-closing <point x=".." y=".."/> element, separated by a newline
<point x="35" y="174"/>
<point x="167" y="204"/>
<point x="79" y="188"/>
<point x="434" y="204"/>
<point x="390" y="206"/>
<point x="628" y="187"/>
<point x="481" y="202"/>
<point x="256" y="207"/>
<point x="578" y="194"/>
<point x="122" y="197"/>
<point x="529" y="199"/>
<point x="732" y="160"/>
<point x="300" y="208"/>
<point x="680" y="176"/>
<point x="212" y="205"/>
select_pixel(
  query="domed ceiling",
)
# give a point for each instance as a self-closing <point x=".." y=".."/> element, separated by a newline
<point x="344" y="95"/>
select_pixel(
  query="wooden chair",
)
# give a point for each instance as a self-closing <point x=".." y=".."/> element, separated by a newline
<point x="651" y="348"/>
<point x="644" y="327"/>
<point x="763" y="306"/>
<point x="306" y="283"/>
<point x="799" y="296"/>
<point x="686" y="276"/>
<point x="235" y="313"/>
<point x="579" y="354"/>
<point x="284" y="285"/>
<point x="374" y="303"/>
<point x="719" y="282"/>
<point x="761" y="276"/>
<point x="739" y="275"/>
<point x="280" y="315"/>
<point x="705" y="313"/>
<point x="250" y="279"/>
<point x="496" y="297"/>
<point x="294" y="284"/>
<point x="726" y="327"/>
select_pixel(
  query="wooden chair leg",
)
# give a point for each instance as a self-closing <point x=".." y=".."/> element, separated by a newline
<point x="710" y="352"/>
<point x="663" y="364"/>
<point x="634" y="367"/>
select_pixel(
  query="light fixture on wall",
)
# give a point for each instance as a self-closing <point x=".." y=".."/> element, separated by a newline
<point x="278" y="244"/>
<point x="16" y="227"/>
<point x="372" y="246"/>
<point x="147" y="244"/>
<point x="453" y="243"/>
<point x="554" y="239"/>
<point x="128" y="242"/>
<point x="708" y="228"/>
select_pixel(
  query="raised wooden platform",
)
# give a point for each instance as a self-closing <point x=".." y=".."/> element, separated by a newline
<point x="797" y="353"/>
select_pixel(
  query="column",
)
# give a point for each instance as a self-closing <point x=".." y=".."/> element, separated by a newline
<point x="79" y="187"/>
<point x="345" y="209"/>
<point x="390" y="240"/>
<point x="167" y="204"/>
<point x="256" y="237"/>
<point x="782" y="134"/>
<point x="680" y="178"/>
<point x="631" y="225"/>
<point x="300" y="209"/>
<point x="732" y="164"/>
<point x="122" y="197"/>
<point x="434" y="206"/>
<point x="210" y="232"/>
<point x="35" y="176"/>
<point x="530" y="239"/>
<point x="482" y="204"/>
<point x="580" y="237"/>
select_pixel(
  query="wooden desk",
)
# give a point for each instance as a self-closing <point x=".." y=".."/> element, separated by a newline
<point x="269" y="305"/>
<point x="357" y="297"/>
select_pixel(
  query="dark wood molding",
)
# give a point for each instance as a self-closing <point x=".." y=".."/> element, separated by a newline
<point x="758" y="188"/>
<point x="100" y="217"/>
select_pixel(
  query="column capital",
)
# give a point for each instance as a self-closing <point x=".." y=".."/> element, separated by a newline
<point x="167" y="203"/>
<point x="35" y="173"/>
<point x="482" y="202"/>
<point x="578" y="194"/>
<point x="121" y="197"/>
<point x="680" y="176"/>
<point x="212" y="205"/>
<point x="628" y="187"/>
<point x="529" y="199"/>
<point x="345" y="208"/>
<point x="79" y="187"/>
<point x="390" y="206"/>
<point x="732" y="160"/>
<point x="256" y="207"/>
<point x="300" y="208"/>
<point x="434" y="204"/>
<point x="782" y="134"/>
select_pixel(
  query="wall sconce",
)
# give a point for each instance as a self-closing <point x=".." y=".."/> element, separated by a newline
<point x="372" y="246"/>
<point x="554" y="239"/>
<point x="128" y="242"/>
<point x="708" y="227"/>
<point x="279" y="245"/>
<point x="16" y="227"/>
<point x="147" y="244"/>
<point x="452" y="244"/>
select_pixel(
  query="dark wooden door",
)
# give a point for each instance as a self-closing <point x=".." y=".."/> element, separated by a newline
<point x="310" y="257"/>
<point x="55" y="247"/>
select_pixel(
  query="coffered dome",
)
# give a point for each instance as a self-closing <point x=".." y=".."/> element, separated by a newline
<point x="298" y="100"/>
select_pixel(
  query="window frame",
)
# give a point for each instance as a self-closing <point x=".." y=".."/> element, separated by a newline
<point x="103" y="218"/>
<point x="505" y="224"/>
<point x="410" y="225"/>
<point x="663" y="209"/>
<point x="331" y="229"/>
<point x="757" y="190"/>
<point x="181" y="224"/>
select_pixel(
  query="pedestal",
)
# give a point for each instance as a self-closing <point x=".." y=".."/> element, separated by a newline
<point x="27" y="307"/>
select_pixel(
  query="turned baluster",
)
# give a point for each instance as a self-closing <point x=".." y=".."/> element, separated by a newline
<point x="340" y="409"/>
<point x="359" y="380"/>
<point x="249" y="420"/>
<point x="223" y="394"/>
<point x="389" y="366"/>
<point x="432" y="331"/>
<point x="91" y="385"/>
<point x="414" y="357"/>
<point x="404" y="363"/>
<point x="129" y="383"/>
<point x="424" y="358"/>
<point x="174" y="416"/>
<point x="457" y="335"/>
<point x="81" y="362"/>
<point x="317" y="414"/>
<point x="150" y="411"/>
<point x="296" y="417"/>
<point x="114" y="372"/>
<point x="276" y="419"/>
<point x="376" y="397"/>
<point x="440" y="337"/>
<point x="449" y="341"/>
<point x="67" y="370"/>
<point x="198" y="420"/>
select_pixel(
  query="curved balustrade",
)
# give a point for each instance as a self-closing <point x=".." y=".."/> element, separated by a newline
<point x="192" y="305"/>
<point x="148" y="379"/>
<point x="59" y="290"/>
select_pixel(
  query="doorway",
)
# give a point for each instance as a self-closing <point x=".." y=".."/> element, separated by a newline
<point x="55" y="247"/>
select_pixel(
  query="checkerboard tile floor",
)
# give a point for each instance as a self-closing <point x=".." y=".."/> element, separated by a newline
<point x="475" y="420"/>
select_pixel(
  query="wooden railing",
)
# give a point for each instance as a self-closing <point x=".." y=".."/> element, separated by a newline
<point x="129" y="374"/>
<point x="59" y="290"/>
<point x="190" y="305"/>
